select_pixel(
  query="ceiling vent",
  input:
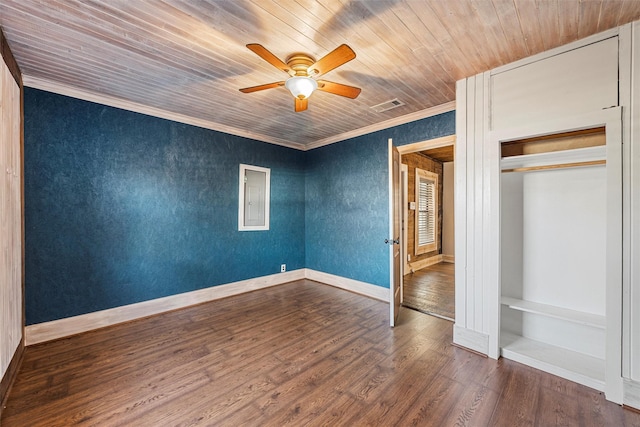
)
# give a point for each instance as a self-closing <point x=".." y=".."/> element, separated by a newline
<point x="387" y="105"/>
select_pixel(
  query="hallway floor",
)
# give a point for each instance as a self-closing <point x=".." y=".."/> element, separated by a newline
<point x="431" y="290"/>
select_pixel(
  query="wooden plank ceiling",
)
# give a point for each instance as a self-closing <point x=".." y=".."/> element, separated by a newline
<point x="187" y="59"/>
<point x="441" y="154"/>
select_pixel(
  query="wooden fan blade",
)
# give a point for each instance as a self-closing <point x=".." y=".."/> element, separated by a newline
<point x="340" y="55"/>
<point x="263" y="53"/>
<point x="339" y="89"/>
<point x="261" y="87"/>
<point x="301" y="104"/>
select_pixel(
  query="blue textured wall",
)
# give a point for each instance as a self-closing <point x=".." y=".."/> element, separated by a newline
<point x="422" y="130"/>
<point x="347" y="200"/>
<point x="121" y="207"/>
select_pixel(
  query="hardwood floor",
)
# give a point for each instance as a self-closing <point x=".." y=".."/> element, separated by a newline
<point x="296" y="354"/>
<point x="431" y="290"/>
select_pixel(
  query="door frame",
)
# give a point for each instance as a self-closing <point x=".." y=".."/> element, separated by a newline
<point x="404" y="196"/>
<point x="428" y="144"/>
<point x="415" y="147"/>
<point x="395" y="270"/>
<point x="406" y="149"/>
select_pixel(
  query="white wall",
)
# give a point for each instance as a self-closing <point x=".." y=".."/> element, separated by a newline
<point x="553" y="251"/>
<point x="577" y="81"/>
<point x="473" y="224"/>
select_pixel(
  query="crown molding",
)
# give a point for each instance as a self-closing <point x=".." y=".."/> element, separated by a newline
<point x="61" y="89"/>
<point x="422" y="114"/>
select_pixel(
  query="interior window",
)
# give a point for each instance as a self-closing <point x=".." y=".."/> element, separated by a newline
<point x="253" y="206"/>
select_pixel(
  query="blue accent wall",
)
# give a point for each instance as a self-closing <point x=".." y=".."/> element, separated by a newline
<point x="347" y="209"/>
<point x="347" y="200"/>
<point x="122" y="207"/>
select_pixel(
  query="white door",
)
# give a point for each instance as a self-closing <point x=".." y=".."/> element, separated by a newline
<point x="394" y="230"/>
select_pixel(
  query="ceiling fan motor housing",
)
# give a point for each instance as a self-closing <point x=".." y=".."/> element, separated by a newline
<point x="300" y="63"/>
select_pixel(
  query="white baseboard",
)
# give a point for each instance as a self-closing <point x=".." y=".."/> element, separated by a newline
<point x="449" y="258"/>
<point x="55" y="329"/>
<point x="631" y="393"/>
<point x="61" y="328"/>
<point x="472" y="340"/>
<point x="423" y="263"/>
<point x="363" y="288"/>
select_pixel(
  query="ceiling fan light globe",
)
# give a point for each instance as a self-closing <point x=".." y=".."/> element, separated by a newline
<point x="301" y="87"/>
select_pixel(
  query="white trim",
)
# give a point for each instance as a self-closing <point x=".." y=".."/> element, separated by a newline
<point x="60" y="328"/>
<point x="429" y="144"/>
<point x="47" y="331"/>
<point x="460" y="202"/>
<point x="627" y="56"/>
<point x="112" y="101"/>
<point x="482" y="199"/>
<point x="633" y="148"/>
<point x="470" y="339"/>
<point x="614" y="297"/>
<point x="367" y="289"/>
<point x="404" y="174"/>
<point x="392" y="307"/>
<point x="418" y="115"/>
<point x="631" y="393"/>
<point x="630" y="99"/>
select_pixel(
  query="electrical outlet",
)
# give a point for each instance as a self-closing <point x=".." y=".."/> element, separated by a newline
<point x="283" y="268"/>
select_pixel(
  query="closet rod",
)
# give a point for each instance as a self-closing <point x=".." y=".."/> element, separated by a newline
<point x="558" y="166"/>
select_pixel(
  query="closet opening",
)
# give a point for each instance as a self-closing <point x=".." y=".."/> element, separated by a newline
<point x="553" y="259"/>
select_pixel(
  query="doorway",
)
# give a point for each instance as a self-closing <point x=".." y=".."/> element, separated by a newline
<point x="428" y="226"/>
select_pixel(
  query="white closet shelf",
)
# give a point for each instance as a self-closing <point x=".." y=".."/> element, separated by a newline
<point x="587" y="154"/>
<point x="574" y="316"/>
<point x="574" y="366"/>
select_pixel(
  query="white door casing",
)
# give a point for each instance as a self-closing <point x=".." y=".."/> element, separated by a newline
<point x="395" y="265"/>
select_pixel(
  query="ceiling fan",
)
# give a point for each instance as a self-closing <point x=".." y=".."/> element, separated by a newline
<point x="304" y="71"/>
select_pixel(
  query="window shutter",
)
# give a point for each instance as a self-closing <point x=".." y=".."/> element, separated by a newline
<point x="426" y="212"/>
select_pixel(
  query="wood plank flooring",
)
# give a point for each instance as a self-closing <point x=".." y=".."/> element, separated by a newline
<point x="297" y="354"/>
<point x="431" y="290"/>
